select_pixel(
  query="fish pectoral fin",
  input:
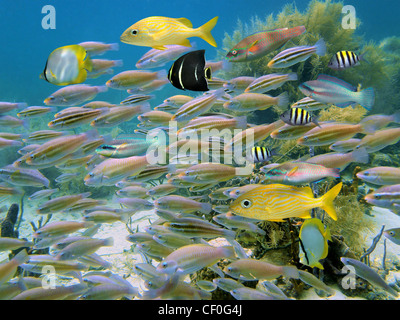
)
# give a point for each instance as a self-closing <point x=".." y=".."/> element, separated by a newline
<point x="253" y="275"/>
<point x="252" y="45"/>
<point x="53" y="75"/>
<point x="292" y="172"/>
<point x="270" y="216"/>
<point x="160" y="47"/>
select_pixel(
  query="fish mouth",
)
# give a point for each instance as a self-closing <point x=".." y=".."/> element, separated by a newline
<point x="123" y="38"/>
<point x="233" y="212"/>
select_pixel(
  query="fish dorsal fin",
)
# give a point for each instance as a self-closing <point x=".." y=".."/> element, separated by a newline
<point x="292" y="172"/>
<point x="185" y="22"/>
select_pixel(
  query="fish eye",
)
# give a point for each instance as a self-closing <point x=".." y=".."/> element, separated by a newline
<point x="91" y="174"/>
<point x="366" y="173"/>
<point x="391" y="233"/>
<point x="234" y="52"/>
<point x="377" y="196"/>
<point x="134" y="32"/>
<point x="305" y="138"/>
<point x="246" y="203"/>
<point x="164" y="264"/>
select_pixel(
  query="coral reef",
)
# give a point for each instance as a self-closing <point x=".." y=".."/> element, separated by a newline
<point x="347" y="115"/>
<point x="322" y="19"/>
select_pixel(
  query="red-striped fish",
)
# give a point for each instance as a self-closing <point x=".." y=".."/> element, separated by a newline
<point x="261" y="43"/>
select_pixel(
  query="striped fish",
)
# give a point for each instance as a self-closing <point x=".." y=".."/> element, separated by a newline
<point x="261" y="43"/>
<point x="270" y="82"/>
<point x="197" y="106"/>
<point x="298" y="117"/>
<point x="291" y="56"/>
<point x="189" y="72"/>
<point x="262" y="154"/>
<point x="297" y="173"/>
<point x="344" y="59"/>
<point x="275" y="202"/>
<point x="76" y="118"/>
<point x="157" y="32"/>
<point x="330" y="90"/>
<point x="385" y="197"/>
<point x="136" y="98"/>
<point x="309" y="104"/>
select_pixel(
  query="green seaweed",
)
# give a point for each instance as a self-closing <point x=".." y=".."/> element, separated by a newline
<point x="322" y="19"/>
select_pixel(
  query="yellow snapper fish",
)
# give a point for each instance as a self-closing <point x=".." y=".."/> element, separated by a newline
<point x="314" y="239"/>
<point x="157" y="32"/>
<point x="67" y="65"/>
<point x="276" y="202"/>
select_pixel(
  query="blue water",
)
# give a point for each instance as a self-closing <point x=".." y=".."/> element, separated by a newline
<point x="25" y="45"/>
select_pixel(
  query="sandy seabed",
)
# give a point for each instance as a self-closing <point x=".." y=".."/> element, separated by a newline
<point x="123" y="258"/>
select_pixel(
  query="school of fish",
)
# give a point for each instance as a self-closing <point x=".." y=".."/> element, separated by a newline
<point x="192" y="195"/>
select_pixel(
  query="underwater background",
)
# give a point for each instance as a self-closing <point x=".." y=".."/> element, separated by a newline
<point x="26" y="47"/>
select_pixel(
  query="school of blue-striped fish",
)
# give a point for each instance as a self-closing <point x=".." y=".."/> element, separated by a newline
<point x="206" y="192"/>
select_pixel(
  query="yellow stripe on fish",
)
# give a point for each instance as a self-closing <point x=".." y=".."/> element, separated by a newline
<point x="156" y="32"/>
<point x="276" y="202"/>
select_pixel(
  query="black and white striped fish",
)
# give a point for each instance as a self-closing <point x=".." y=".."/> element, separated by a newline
<point x="298" y="117"/>
<point x="262" y="154"/>
<point x="345" y="59"/>
<point x="189" y="72"/>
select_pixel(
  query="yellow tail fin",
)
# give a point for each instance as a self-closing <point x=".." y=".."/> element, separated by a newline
<point x="327" y="200"/>
<point x="205" y="31"/>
